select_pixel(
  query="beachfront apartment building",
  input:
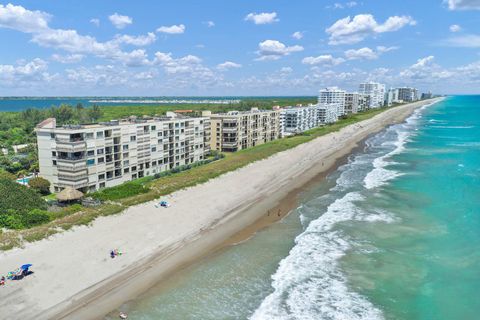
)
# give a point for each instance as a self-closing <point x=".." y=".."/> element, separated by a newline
<point x="95" y="156"/>
<point x="376" y="92"/>
<point x="237" y="130"/>
<point x="331" y="105"/>
<point x="299" y="119"/>
<point x="407" y="94"/>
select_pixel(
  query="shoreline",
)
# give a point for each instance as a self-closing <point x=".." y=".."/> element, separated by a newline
<point x="201" y="228"/>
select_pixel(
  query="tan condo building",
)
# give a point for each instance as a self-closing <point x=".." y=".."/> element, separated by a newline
<point x="235" y="130"/>
<point x="91" y="157"/>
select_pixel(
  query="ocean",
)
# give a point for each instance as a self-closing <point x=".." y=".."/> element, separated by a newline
<point x="394" y="233"/>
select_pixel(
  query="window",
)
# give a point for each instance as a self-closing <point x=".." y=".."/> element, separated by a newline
<point x="154" y="149"/>
<point x="154" y="163"/>
<point x="52" y="135"/>
<point x="54" y="153"/>
<point x="90" y="162"/>
<point x="54" y="162"/>
<point x="159" y="133"/>
<point x="160" y="141"/>
<point x="125" y="147"/>
<point x="126" y="170"/>
<point x="101" y="160"/>
<point x="101" y="176"/>
<point x="101" y="185"/>
<point x="89" y="135"/>
<point x="100" y="151"/>
<point x="133" y="138"/>
<point x="90" y="153"/>
<point x="126" y="163"/>
<point x="134" y="168"/>
<point x="99" y="134"/>
<point x="125" y="155"/>
<point x="153" y="128"/>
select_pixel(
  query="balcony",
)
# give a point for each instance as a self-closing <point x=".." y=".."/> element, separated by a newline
<point x="82" y="177"/>
<point x="72" y="167"/>
<point x="70" y="160"/>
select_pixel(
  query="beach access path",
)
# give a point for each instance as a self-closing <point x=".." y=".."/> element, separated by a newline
<point x="74" y="276"/>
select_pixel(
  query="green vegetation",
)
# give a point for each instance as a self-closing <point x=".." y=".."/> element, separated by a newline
<point x="40" y="185"/>
<point x="20" y="206"/>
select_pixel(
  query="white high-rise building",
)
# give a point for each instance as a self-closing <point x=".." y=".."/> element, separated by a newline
<point x="299" y="119"/>
<point x="407" y="94"/>
<point x="95" y="156"/>
<point x="392" y="96"/>
<point x="376" y="91"/>
<point x="331" y="104"/>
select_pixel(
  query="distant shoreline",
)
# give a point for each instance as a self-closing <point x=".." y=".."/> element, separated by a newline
<point x="159" y="242"/>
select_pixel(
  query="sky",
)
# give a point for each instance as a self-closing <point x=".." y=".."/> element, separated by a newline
<point x="236" y="47"/>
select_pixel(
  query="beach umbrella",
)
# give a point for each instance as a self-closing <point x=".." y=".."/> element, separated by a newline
<point x="69" y="194"/>
<point x="26" y="266"/>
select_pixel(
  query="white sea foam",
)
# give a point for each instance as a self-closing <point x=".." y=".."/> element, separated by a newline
<point x="308" y="283"/>
<point x="380" y="175"/>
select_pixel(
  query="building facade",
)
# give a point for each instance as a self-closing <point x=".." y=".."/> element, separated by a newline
<point x="235" y="130"/>
<point x="91" y="157"/>
<point x="376" y="91"/>
<point x="407" y="94"/>
<point x="331" y="105"/>
<point x="299" y="119"/>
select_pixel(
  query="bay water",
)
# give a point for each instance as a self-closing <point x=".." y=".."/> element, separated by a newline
<point x="394" y="233"/>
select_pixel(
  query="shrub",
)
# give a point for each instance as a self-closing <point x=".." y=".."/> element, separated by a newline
<point x="16" y="201"/>
<point x="125" y="190"/>
<point x="35" y="217"/>
<point x="40" y="185"/>
<point x="6" y="175"/>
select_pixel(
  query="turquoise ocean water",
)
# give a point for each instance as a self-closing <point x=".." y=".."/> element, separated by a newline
<point x="392" y="234"/>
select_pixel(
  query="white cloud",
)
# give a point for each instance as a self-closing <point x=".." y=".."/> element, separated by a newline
<point x="71" y="58"/>
<point x="348" y="30"/>
<point x="425" y="69"/>
<point x="21" y="19"/>
<point x="95" y="21"/>
<point x="120" y="21"/>
<point x="210" y="24"/>
<point x="455" y="28"/>
<point x="297" y="35"/>
<point x="463" y="4"/>
<point x="139" y="41"/>
<point x="24" y="73"/>
<point x="228" y="65"/>
<point x="326" y="60"/>
<point x="367" y="53"/>
<point x="262" y="18"/>
<point x="273" y="50"/>
<point x="339" y="5"/>
<point x="465" y="41"/>
<point x="175" y="29"/>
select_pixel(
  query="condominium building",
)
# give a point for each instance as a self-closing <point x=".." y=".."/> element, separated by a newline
<point x="391" y="96"/>
<point x="376" y="91"/>
<point x="407" y="94"/>
<point x="331" y="105"/>
<point x="95" y="156"/>
<point x="352" y="102"/>
<point x="299" y="119"/>
<point x="235" y="130"/>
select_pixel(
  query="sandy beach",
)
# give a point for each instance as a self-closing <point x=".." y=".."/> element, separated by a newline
<point x="74" y="276"/>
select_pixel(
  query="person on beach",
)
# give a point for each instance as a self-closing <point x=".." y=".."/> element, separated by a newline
<point x="2" y="281"/>
<point x="112" y="254"/>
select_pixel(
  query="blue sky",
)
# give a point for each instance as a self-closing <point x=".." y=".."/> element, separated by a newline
<point x="236" y="47"/>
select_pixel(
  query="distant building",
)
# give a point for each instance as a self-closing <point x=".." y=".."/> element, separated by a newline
<point x="331" y="105"/>
<point x="407" y="94"/>
<point x="235" y="130"/>
<point x="352" y="102"/>
<point x="91" y="157"/>
<point x="391" y="97"/>
<point x="299" y="119"/>
<point x="427" y="95"/>
<point x="376" y="91"/>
